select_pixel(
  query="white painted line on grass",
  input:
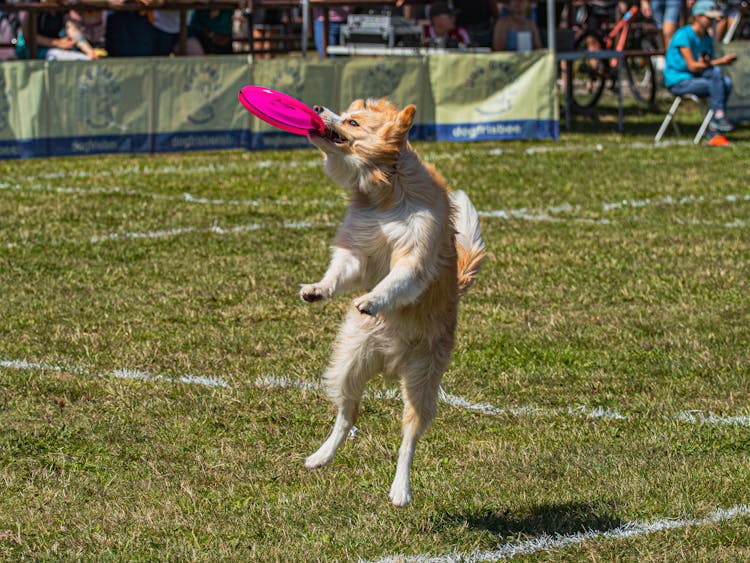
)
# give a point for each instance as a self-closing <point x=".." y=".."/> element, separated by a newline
<point x="548" y="543"/>
<point x="170" y="233"/>
<point x="592" y="413"/>
<point x="179" y="198"/>
<point x="215" y="229"/>
<point x="560" y="213"/>
<point x="315" y="162"/>
<point x="123" y="373"/>
<point x="187" y="170"/>
<point x="274" y="382"/>
<point x="554" y="214"/>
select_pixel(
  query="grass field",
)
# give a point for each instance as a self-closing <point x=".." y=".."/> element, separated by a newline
<point x="159" y="375"/>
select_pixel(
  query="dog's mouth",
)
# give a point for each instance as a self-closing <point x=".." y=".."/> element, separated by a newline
<point x="330" y="134"/>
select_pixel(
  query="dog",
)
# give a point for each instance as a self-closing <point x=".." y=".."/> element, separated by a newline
<point x="414" y="248"/>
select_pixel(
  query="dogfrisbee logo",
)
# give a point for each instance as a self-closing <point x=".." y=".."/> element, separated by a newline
<point x="497" y="77"/>
<point x="492" y="76"/>
<point x="4" y="105"/>
<point x="289" y="80"/>
<point x="96" y="100"/>
<point x="203" y="81"/>
<point x="383" y="79"/>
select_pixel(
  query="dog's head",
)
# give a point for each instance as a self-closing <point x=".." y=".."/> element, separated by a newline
<point x="362" y="145"/>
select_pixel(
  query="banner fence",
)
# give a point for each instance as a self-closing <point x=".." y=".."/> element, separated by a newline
<point x="182" y="104"/>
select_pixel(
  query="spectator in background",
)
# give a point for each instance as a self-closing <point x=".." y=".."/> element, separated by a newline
<point x="478" y="18"/>
<point x="666" y="15"/>
<point x="11" y="24"/>
<point x="336" y="17"/>
<point x="210" y="32"/>
<point x="443" y="31"/>
<point x="91" y="24"/>
<point x="52" y="38"/>
<point x="516" y="31"/>
<point x="143" y="33"/>
<point x="691" y="68"/>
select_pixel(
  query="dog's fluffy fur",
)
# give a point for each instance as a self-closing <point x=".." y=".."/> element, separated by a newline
<point x="414" y="248"/>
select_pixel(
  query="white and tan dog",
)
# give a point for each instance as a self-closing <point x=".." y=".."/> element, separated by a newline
<point x="414" y="248"/>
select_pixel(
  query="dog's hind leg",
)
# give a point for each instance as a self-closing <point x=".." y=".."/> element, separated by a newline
<point x="352" y="365"/>
<point x="420" y="394"/>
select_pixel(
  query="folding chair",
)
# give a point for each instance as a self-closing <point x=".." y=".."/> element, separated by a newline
<point x="670" y="115"/>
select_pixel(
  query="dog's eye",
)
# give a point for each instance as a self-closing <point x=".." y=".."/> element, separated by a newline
<point x="353" y="123"/>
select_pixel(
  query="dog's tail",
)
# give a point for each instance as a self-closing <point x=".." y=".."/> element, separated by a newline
<point x="469" y="243"/>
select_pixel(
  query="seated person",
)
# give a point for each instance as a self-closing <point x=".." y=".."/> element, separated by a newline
<point x="515" y="25"/>
<point x="87" y="30"/>
<point x="87" y="27"/>
<point x="210" y="32"/>
<point x="690" y="66"/>
<point x="443" y="31"/>
<point x="52" y="39"/>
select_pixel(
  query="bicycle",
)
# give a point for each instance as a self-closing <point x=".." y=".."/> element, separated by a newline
<point x="738" y="27"/>
<point x="590" y="75"/>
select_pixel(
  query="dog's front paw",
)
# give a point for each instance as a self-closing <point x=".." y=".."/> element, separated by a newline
<point x="400" y="495"/>
<point x="367" y="305"/>
<point x="313" y="292"/>
<point x="321" y="458"/>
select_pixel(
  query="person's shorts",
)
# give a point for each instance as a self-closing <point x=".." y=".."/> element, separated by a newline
<point x="666" y="11"/>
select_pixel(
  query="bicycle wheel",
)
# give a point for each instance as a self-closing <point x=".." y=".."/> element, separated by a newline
<point x="588" y="75"/>
<point x="642" y="75"/>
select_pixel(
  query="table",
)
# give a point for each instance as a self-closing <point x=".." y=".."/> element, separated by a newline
<point x="579" y="55"/>
<point x="375" y="50"/>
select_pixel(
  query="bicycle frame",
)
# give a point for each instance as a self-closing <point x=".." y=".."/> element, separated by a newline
<point x="620" y="33"/>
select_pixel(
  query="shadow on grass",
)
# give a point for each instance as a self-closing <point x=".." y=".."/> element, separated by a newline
<point x="550" y="519"/>
<point x="641" y="121"/>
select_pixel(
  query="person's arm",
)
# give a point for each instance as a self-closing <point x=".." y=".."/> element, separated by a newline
<point x="500" y="36"/>
<point x="75" y="33"/>
<point x="536" y="38"/>
<point x="705" y="62"/>
<point x="494" y="6"/>
<point x="694" y="66"/>
<point x="721" y="61"/>
<point x="646" y="9"/>
<point x="64" y="42"/>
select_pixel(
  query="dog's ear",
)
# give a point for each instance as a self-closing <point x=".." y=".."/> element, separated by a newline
<point x="356" y="105"/>
<point x="405" y="120"/>
<point x="398" y="130"/>
<point x="406" y="116"/>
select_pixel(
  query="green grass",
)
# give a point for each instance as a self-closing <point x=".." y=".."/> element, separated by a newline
<point x="640" y="307"/>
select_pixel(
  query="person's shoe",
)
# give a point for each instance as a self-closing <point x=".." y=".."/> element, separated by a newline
<point x="721" y="124"/>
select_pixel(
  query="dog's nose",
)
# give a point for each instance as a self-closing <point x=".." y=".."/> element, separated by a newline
<point x="318" y="109"/>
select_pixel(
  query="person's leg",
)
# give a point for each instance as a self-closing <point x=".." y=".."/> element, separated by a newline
<point x="671" y="20"/>
<point x="697" y="86"/>
<point x="318" y="34"/>
<point x="128" y="35"/>
<point x="657" y="13"/>
<point x="717" y="88"/>
<point x="164" y="43"/>
<point x="65" y="55"/>
<point x="711" y="83"/>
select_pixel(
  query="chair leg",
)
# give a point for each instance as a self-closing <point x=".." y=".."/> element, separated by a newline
<point x="667" y="119"/>
<point x="704" y="126"/>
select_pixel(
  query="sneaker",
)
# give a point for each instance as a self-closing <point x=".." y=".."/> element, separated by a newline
<point x="721" y="124"/>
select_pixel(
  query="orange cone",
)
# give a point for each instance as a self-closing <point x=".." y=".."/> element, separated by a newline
<point x="718" y="141"/>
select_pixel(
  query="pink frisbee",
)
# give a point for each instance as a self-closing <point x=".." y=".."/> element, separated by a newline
<point x="280" y="110"/>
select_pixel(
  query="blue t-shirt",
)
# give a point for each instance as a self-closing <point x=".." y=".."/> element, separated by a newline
<point x="675" y="67"/>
